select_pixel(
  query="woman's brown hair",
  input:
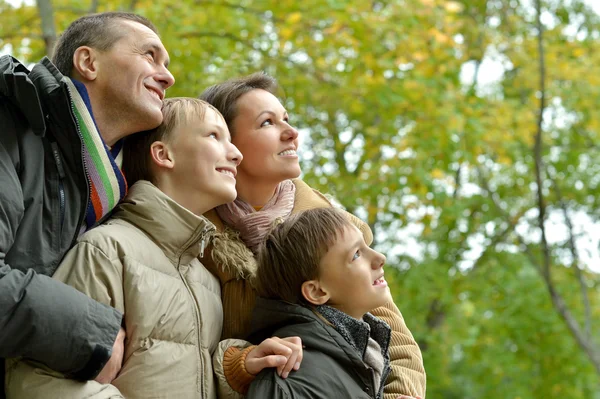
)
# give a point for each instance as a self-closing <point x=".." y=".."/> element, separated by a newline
<point x="224" y="96"/>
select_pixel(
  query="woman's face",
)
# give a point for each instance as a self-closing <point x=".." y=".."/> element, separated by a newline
<point x="266" y="140"/>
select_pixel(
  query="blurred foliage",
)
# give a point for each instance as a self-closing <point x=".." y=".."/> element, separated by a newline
<point x="400" y="127"/>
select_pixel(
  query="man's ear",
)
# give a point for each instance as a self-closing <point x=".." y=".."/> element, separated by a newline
<point x="85" y="63"/>
<point x="161" y="154"/>
<point x="314" y="293"/>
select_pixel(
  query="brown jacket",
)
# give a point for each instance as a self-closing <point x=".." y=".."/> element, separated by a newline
<point x="233" y="263"/>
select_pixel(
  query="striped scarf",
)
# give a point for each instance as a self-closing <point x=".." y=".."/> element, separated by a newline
<point x="106" y="181"/>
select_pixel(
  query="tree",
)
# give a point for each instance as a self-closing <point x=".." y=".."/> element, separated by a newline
<point x="423" y="117"/>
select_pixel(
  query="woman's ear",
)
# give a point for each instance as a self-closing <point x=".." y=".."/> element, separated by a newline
<point x="161" y="154"/>
<point x="84" y="63"/>
<point x="314" y="293"/>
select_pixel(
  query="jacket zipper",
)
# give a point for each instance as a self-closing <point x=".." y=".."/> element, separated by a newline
<point x="61" y="188"/>
<point x="85" y="169"/>
<point x="203" y="235"/>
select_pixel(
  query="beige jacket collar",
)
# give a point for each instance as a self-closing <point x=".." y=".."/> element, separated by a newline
<point x="179" y="233"/>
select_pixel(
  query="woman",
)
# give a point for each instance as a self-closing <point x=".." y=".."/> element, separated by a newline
<point x="268" y="190"/>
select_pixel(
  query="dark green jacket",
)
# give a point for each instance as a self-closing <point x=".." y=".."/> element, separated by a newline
<point x="43" y="197"/>
<point x="331" y="366"/>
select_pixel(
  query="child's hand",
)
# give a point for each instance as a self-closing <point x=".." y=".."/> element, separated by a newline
<point x="283" y="353"/>
<point x="113" y="366"/>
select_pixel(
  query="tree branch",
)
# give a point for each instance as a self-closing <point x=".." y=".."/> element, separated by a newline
<point x="230" y="36"/>
<point x="93" y="7"/>
<point x="132" y="5"/>
<point x="457" y="178"/>
<point x="575" y="256"/>
<point x="557" y="300"/>
<point x="48" y="30"/>
<point x="338" y="146"/>
<point x="250" y="10"/>
<point x="537" y="149"/>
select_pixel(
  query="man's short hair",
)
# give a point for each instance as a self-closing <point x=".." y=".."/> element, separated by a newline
<point x="177" y="111"/>
<point x="99" y="31"/>
<point x="293" y="250"/>
<point x="224" y="96"/>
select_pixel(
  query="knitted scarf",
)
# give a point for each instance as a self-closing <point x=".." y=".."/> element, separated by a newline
<point x="106" y="181"/>
<point x="253" y="225"/>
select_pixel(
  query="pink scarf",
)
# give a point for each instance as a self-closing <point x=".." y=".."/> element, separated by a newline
<point x="252" y="225"/>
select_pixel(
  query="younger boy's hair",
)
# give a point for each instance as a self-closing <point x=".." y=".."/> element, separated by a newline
<point x="176" y="111"/>
<point x="292" y="251"/>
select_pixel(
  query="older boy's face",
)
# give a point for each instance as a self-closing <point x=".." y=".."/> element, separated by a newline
<point x="205" y="160"/>
<point x="352" y="274"/>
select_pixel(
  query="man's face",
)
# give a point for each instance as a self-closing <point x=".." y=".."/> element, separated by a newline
<point x="131" y="79"/>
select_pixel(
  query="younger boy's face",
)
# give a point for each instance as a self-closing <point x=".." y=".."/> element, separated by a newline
<point x="352" y="274"/>
<point x="205" y="160"/>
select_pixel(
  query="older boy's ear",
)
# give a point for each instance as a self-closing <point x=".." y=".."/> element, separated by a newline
<point x="314" y="293"/>
<point x="84" y="63"/>
<point x="162" y="155"/>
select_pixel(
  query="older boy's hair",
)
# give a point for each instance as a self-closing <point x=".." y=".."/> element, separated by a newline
<point x="99" y="31"/>
<point x="224" y="96"/>
<point x="177" y="111"/>
<point x="293" y="250"/>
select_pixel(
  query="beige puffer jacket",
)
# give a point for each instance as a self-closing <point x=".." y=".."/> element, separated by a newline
<point x="144" y="262"/>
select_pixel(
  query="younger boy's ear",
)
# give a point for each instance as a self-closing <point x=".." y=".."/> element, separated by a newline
<point x="314" y="293"/>
<point x="162" y="155"/>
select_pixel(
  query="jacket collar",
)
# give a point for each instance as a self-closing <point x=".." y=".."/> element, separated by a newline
<point x="179" y="233"/>
<point x="16" y="85"/>
<point x="357" y="332"/>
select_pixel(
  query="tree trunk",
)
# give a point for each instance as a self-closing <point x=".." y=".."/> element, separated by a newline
<point x="48" y="29"/>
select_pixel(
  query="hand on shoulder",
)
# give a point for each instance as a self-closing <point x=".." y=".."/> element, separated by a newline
<point x="283" y="353"/>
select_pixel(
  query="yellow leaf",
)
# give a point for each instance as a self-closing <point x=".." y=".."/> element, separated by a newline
<point x="578" y="52"/>
<point x="437" y="174"/>
<point x="294" y="17"/>
<point x="504" y="160"/>
<point x="286" y="33"/>
<point x="453" y="6"/>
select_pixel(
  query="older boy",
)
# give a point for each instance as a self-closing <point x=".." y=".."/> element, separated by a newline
<point x="318" y="279"/>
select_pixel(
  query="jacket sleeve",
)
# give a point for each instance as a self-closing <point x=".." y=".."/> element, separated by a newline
<point x="40" y="318"/>
<point x="407" y="376"/>
<point x="265" y="386"/>
<point x="89" y="270"/>
<point x="229" y="368"/>
<point x="51" y="384"/>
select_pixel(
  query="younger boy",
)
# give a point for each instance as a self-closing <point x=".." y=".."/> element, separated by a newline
<point x="318" y="279"/>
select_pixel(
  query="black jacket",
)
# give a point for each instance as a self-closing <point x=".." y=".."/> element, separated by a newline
<point x="331" y="366"/>
<point x="43" y="198"/>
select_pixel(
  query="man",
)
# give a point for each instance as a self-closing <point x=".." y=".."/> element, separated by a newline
<point x="61" y="129"/>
